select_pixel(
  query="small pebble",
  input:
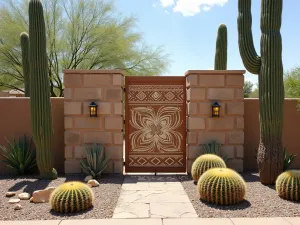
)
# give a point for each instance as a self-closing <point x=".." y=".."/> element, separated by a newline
<point x="24" y="196"/>
<point x="18" y="207"/>
<point x="10" y="193"/>
<point x="14" y="200"/>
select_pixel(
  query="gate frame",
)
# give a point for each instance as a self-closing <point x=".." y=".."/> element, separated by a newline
<point x="149" y="80"/>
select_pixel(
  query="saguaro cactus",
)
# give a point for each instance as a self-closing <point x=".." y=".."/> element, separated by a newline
<point x="271" y="91"/>
<point x="24" y="40"/>
<point x="221" y="48"/>
<point x="41" y="117"/>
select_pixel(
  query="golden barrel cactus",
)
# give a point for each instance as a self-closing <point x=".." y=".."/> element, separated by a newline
<point x="72" y="197"/>
<point x="288" y="185"/>
<point x="204" y="163"/>
<point x="221" y="186"/>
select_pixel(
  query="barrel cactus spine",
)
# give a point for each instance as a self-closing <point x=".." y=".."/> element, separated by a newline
<point x="271" y="91"/>
<point x="72" y="197"/>
<point x="288" y="185"/>
<point x="221" y="48"/>
<point x="204" y="163"/>
<point x="40" y="105"/>
<point x="24" y="40"/>
<point x="221" y="186"/>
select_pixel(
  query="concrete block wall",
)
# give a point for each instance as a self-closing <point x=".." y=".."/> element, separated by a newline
<point x="105" y="87"/>
<point x="204" y="88"/>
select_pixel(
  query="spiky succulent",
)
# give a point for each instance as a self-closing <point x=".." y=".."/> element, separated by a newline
<point x="72" y="197"/>
<point x="221" y="186"/>
<point x="95" y="162"/>
<point x="205" y="162"/>
<point x="288" y="185"/>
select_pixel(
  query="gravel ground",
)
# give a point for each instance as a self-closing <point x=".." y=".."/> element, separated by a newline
<point x="106" y="197"/>
<point x="260" y="201"/>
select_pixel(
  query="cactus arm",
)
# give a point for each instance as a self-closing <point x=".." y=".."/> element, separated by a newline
<point x="251" y="60"/>
<point x="24" y="40"/>
<point x="221" y="48"/>
<point x="41" y="116"/>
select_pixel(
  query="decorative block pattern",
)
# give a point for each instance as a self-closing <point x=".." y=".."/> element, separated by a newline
<point x="226" y="87"/>
<point x="105" y="87"/>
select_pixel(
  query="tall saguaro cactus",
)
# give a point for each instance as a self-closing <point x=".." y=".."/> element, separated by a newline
<point x="24" y="40"/>
<point x="221" y="48"/>
<point x="41" y="117"/>
<point x="271" y="91"/>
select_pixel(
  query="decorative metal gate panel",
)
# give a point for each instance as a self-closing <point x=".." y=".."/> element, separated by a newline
<point x="155" y="112"/>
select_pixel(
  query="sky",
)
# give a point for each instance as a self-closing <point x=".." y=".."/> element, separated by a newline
<point x="187" y="29"/>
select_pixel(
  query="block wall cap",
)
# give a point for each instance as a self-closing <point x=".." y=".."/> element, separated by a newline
<point x="215" y="72"/>
<point x="86" y="72"/>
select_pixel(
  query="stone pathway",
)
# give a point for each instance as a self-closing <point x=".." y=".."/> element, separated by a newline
<point x="153" y="197"/>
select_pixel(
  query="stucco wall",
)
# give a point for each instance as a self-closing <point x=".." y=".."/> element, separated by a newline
<point x="15" y="122"/>
<point x="291" y="132"/>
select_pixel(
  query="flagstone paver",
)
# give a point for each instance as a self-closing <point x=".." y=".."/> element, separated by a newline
<point x="153" y="197"/>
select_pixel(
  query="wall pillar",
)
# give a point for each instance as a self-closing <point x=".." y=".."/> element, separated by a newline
<point x="105" y="87"/>
<point x="226" y="87"/>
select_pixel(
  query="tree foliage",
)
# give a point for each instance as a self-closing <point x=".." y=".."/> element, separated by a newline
<point x="247" y="89"/>
<point x="292" y="83"/>
<point x="81" y="34"/>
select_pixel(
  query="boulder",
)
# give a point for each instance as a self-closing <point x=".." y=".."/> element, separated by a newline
<point x="10" y="193"/>
<point x="93" y="183"/>
<point x="41" y="196"/>
<point x="14" y="200"/>
<point x="17" y="207"/>
<point x="24" y="196"/>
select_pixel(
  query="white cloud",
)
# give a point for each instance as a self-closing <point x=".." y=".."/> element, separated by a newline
<point x="167" y="12"/>
<point x="206" y="8"/>
<point x="192" y="7"/>
<point x="167" y="3"/>
<point x="154" y="5"/>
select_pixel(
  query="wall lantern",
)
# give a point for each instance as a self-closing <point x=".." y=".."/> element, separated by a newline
<point x="93" y="109"/>
<point x="216" y="109"/>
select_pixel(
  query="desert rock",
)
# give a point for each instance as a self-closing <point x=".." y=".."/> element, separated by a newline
<point x="10" y="193"/>
<point x="41" y="196"/>
<point x="24" y="196"/>
<point x="17" y="207"/>
<point x="88" y="178"/>
<point x="14" y="200"/>
<point x="93" y="183"/>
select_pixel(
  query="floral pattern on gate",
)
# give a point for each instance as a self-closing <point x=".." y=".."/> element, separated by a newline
<point x="156" y="130"/>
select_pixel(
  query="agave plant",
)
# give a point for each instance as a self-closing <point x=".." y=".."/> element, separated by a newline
<point x="95" y="162"/>
<point x="20" y="155"/>
<point x="213" y="147"/>
<point x="287" y="160"/>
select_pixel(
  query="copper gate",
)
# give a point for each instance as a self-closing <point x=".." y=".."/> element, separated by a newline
<point x="155" y="112"/>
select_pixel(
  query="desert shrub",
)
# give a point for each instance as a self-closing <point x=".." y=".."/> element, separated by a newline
<point x="288" y="185"/>
<point x="221" y="186"/>
<point x="95" y="162"/>
<point x="20" y="155"/>
<point x="205" y="162"/>
<point x="72" y="197"/>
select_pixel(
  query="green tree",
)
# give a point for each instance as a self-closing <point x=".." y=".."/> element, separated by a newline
<point x="247" y="89"/>
<point x="254" y="93"/>
<point x="292" y="83"/>
<point x="81" y="34"/>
